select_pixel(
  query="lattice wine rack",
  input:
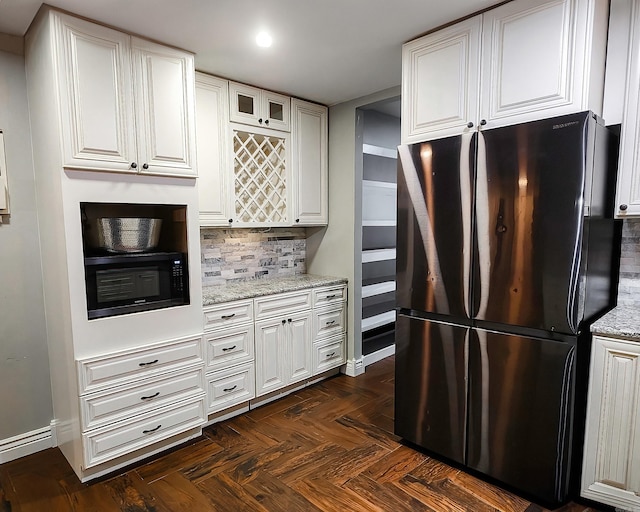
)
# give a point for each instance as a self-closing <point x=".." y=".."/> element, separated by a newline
<point x="260" y="178"/>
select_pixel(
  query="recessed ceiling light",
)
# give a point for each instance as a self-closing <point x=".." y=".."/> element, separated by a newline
<point x="264" y="40"/>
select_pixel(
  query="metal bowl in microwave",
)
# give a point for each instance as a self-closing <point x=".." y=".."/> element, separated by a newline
<point x="125" y="234"/>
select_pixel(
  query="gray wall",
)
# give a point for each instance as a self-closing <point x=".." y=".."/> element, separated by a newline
<point x="25" y="389"/>
<point x="331" y="250"/>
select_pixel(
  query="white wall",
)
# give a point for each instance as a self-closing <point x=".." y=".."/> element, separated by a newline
<point x="331" y="250"/>
<point x="25" y="389"/>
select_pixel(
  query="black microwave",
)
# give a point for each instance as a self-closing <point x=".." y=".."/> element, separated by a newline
<point x="119" y="284"/>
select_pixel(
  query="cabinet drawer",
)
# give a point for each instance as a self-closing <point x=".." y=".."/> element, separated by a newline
<point x="229" y="346"/>
<point x="329" y="295"/>
<point x="103" y="444"/>
<point x="105" y="407"/>
<point x="128" y="366"/>
<point x="328" y="354"/>
<point x="272" y="305"/>
<point x="229" y="313"/>
<point x="329" y="321"/>
<point x="230" y="387"/>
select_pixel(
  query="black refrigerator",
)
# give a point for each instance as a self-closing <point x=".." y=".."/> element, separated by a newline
<point x="505" y="253"/>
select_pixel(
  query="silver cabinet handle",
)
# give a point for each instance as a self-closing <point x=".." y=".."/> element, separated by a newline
<point x="226" y="349"/>
<point x="226" y="390"/>
<point x="151" y="430"/>
<point x="150" y="396"/>
<point x="149" y="363"/>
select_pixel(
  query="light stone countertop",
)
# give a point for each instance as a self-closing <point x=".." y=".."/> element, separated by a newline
<point x="620" y="322"/>
<point x="259" y="287"/>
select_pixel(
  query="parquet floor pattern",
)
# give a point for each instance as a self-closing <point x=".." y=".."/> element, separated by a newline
<point x="328" y="447"/>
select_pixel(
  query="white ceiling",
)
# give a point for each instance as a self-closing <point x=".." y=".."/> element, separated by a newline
<point x="327" y="51"/>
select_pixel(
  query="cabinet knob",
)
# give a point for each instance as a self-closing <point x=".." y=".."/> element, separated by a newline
<point x="483" y="122"/>
<point x="297" y="220"/>
<point x="145" y="166"/>
<point x="260" y="120"/>
<point x="623" y="207"/>
<point x="469" y="124"/>
<point x="284" y="322"/>
<point x="266" y="121"/>
<point x="289" y="320"/>
<point x="230" y="221"/>
<point x="134" y="165"/>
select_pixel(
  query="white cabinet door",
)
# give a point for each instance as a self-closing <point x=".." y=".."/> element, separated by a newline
<point x="96" y="99"/>
<point x="256" y="107"/>
<point x="628" y="190"/>
<point x="164" y="86"/>
<point x="611" y="469"/>
<point x="440" y="80"/>
<point x="212" y="123"/>
<point x="309" y="163"/>
<point x="542" y="58"/>
<point x="521" y="61"/>
<point x="299" y="347"/>
<point x="270" y="355"/>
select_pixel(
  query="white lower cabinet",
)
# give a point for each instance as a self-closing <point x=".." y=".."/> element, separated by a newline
<point x="122" y="438"/>
<point x="229" y="346"/>
<point x="132" y="399"/>
<point x="258" y="346"/>
<point x="283" y="350"/>
<point x="230" y="386"/>
<point x="611" y="468"/>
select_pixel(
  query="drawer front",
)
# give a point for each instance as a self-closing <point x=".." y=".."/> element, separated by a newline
<point x="329" y="295"/>
<point x="329" y="321"/>
<point x="282" y="304"/>
<point x="230" y="387"/>
<point x="105" y="407"/>
<point x="329" y="354"/>
<point x="229" y="346"/>
<point x="227" y="314"/>
<point x="103" y="444"/>
<point x="124" y="367"/>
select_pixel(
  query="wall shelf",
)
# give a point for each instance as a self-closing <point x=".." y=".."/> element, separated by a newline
<point x="370" y="149"/>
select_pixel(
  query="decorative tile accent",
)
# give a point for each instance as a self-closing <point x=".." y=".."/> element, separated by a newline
<point x="629" y="285"/>
<point x="234" y="255"/>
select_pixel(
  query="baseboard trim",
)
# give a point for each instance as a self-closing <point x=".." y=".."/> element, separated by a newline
<point x="26" y="444"/>
<point x="354" y="367"/>
<point x="378" y="355"/>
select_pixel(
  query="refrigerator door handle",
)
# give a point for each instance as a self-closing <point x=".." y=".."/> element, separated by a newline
<point x="482" y="227"/>
<point x="466" y="196"/>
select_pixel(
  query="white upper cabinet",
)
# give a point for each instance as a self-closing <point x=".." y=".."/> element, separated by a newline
<point x="212" y="124"/>
<point x="257" y="107"/>
<point x="165" y="113"/>
<point x="440" y="80"/>
<point x="628" y="190"/>
<point x="309" y="134"/>
<point x="250" y="174"/>
<point x="126" y="104"/>
<point x="524" y="60"/>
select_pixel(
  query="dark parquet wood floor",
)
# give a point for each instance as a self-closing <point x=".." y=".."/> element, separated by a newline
<point x="329" y="447"/>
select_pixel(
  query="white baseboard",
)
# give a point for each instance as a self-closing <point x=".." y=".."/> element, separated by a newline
<point x="374" y="357"/>
<point x="26" y="444"/>
<point x="354" y="367"/>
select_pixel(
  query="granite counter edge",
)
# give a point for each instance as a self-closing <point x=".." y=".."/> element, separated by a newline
<point x="229" y="294"/>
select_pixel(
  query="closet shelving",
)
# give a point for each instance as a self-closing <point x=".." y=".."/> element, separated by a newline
<point x="378" y="247"/>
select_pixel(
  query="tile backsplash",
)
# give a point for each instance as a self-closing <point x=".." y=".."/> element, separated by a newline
<point x="230" y="255"/>
<point x="629" y="286"/>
